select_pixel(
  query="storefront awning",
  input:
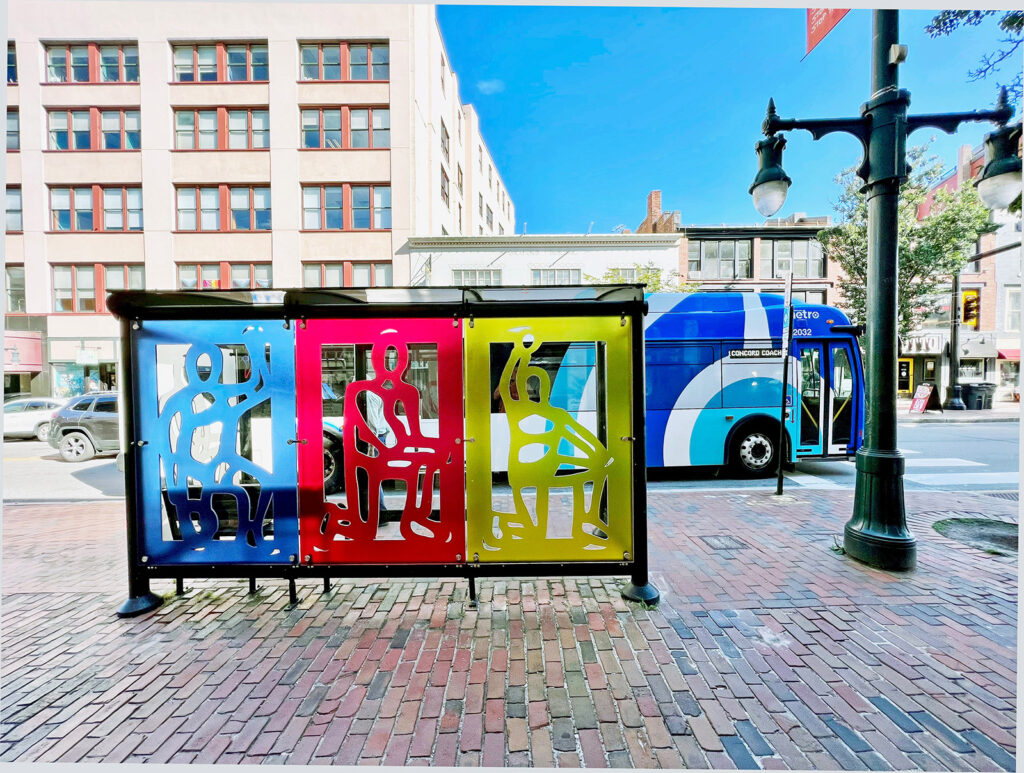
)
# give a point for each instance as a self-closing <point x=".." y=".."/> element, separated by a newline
<point x="23" y="351"/>
<point x="1009" y="354"/>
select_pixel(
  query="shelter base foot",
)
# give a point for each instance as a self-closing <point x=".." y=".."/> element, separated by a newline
<point x="644" y="594"/>
<point x="139" y="605"/>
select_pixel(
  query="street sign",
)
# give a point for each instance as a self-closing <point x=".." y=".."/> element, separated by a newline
<point x="820" y="22"/>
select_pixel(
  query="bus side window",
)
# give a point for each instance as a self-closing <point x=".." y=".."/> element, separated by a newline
<point x="752" y="383"/>
<point x="673" y="370"/>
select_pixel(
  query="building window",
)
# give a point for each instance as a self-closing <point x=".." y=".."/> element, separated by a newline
<point x="555" y="276"/>
<point x="501" y="230"/>
<point x="328" y="61"/>
<point x="199" y="276"/>
<point x="123" y="277"/>
<point x="215" y="276"/>
<point x="321" y="128"/>
<point x="444" y="141"/>
<point x="323" y="207"/>
<point x="14" y="210"/>
<point x="83" y="288"/>
<point x="480" y="155"/>
<point x="370" y="128"/>
<point x="490" y="177"/>
<point x="480" y="202"/>
<point x="198" y="209"/>
<point x="13" y="129"/>
<point x="120" y="130"/>
<point x="91" y="63"/>
<point x="12" y="64"/>
<point x="444" y="186"/>
<point x="250" y="276"/>
<point x="74" y="288"/>
<point x="346" y="274"/>
<point x="808" y="296"/>
<point x="379" y="196"/>
<point x="221" y="63"/>
<point x="96" y="208"/>
<point x="802" y="257"/>
<point x="15" y="289"/>
<point x="458" y="177"/>
<point x="460" y="218"/>
<point x="712" y="259"/>
<point x="250" y="209"/>
<point x="1012" y="309"/>
<point x="368" y="61"/>
<point x="490" y="219"/>
<point x="94" y="129"/>
<point x="624" y="274"/>
<point x="972" y="370"/>
<point x="476" y="277"/>
<point x="442" y="73"/>
<point x="246" y="129"/>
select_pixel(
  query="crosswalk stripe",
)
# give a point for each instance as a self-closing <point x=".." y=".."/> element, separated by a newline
<point x="810" y="481"/>
<point x="962" y="478"/>
<point x="940" y="462"/>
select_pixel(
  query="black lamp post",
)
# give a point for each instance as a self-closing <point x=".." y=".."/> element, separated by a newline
<point x="877" y="533"/>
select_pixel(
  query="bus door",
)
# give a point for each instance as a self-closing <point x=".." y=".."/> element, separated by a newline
<point x="811" y="408"/>
<point x="841" y="402"/>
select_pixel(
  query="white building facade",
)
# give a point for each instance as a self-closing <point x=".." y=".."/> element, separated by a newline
<point x="538" y="259"/>
<point x="165" y="145"/>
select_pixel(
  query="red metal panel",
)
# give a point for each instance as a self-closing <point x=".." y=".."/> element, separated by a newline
<point x="820" y="22"/>
<point x="343" y="531"/>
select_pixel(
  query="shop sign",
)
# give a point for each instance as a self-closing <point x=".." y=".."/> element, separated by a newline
<point x="87" y="357"/>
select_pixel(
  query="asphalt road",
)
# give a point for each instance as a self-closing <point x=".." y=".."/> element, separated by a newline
<point x="940" y="457"/>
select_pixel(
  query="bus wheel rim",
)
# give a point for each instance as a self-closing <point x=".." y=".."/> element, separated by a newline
<point x="756" y="451"/>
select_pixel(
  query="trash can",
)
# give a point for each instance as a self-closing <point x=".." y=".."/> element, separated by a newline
<point x="987" y="390"/>
<point x="973" y="397"/>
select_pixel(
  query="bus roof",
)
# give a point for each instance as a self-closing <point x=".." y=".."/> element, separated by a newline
<point x="753" y="316"/>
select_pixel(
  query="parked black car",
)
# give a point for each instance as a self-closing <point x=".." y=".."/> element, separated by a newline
<point x="86" y="426"/>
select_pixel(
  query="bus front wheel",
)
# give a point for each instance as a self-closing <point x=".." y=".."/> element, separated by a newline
<point x="754" y="453"/>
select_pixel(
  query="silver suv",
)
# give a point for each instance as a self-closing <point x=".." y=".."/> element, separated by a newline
<point x="86" y="426"/>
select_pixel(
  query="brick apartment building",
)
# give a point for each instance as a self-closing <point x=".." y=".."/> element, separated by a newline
<point x="750" y="258"/>
<point x="166" y="145"/>
<point x="990" y="283"/>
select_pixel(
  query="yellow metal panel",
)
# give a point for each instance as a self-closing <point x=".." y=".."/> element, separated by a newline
<point x="519" y="529"/>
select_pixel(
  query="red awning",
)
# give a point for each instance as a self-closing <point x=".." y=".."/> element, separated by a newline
<point x="1009" y="354"/>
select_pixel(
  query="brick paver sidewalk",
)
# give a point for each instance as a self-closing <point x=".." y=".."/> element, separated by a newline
<point x="768" y="650"/>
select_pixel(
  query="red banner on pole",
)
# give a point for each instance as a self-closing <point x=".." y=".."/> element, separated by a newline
<point x="820" y="22"/>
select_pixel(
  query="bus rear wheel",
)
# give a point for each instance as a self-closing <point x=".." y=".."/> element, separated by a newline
<point x="754" y="453"/>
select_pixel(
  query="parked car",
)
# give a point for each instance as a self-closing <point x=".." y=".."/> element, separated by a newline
<point x="30" y="417"/>
<point x="86" y="426"/>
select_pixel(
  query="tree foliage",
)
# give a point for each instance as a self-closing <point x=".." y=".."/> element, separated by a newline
<point x="657" y="280"/>
<point x="1012" y="25"/>
<point x="930" y="250"/>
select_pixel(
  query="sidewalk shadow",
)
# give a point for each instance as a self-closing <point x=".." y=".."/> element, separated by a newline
<point x="105" y="478"/>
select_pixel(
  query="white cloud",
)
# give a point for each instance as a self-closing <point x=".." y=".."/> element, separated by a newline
<point x="492" y="86"/>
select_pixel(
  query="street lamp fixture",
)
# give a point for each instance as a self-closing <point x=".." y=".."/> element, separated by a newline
<point x="771" y="184"/>
<point x="877" y="532"/>
<point x="999" y="183"/>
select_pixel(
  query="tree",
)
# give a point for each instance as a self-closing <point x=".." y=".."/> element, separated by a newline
<point x="657" y="280"/>
<point x="930" y="250"/>
<point x="1010" y="22"/>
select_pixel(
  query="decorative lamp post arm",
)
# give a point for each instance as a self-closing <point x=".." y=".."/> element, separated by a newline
<point x="949" y="122"/>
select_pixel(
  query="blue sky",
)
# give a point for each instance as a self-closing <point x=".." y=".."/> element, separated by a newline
<point x="587" y="109"/>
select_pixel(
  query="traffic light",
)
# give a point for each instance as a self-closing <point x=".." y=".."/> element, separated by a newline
<point x="971" y="303"/>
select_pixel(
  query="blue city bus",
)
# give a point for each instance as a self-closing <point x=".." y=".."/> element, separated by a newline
<point x="714" y="384"/>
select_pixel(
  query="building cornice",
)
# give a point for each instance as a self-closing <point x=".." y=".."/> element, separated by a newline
<point x="544" y="240"/>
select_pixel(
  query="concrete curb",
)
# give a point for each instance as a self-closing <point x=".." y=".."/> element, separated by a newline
<point x="951" y="420"/>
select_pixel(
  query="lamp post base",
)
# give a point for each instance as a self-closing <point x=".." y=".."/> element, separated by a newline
<point x="877" y="534"/>
<point x="954" y="400"/>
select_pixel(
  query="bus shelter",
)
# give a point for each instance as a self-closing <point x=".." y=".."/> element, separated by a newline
<point x="384" y="432"/>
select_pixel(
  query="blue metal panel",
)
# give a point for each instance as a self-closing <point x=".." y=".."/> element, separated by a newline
<point x="215" y="405"/>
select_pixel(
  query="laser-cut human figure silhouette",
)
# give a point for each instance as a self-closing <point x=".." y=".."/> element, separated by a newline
<point x="212" y="477"/>
<point x="541" y="474"/>
<point x="412" y="458"/>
